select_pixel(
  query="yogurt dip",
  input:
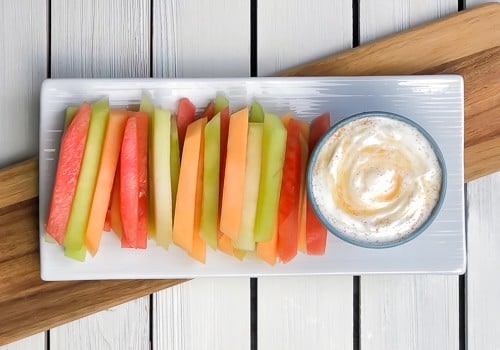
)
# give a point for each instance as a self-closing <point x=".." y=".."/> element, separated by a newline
<point x="375" y="179"/>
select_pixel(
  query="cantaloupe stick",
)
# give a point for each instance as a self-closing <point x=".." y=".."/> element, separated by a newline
<point x="234" y="177"/>
<point x="116" y="221"/>
<point x="268" y="251"/>
<point x="107" y="169"/>
<point x="199" y="249"/>
<point x="286" y="118"/>
<point x="185" y="210"/>
<point x="304" y="155"/>
<point x="82" y="202"/>
<point x="245" y="240"/>
<point x="225" y="245"/>
<point x="161" y="177"/>
<point x="210" y="203"/>
<point x="148" y="107"/>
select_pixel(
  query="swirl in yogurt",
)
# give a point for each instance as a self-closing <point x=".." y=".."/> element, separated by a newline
<point x="376" y="179"/>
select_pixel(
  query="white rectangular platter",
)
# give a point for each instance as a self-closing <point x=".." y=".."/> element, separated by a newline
<point x="434" y="102"/>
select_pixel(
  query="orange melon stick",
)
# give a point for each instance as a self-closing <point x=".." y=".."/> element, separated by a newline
<point x="107" y="169"/>
<point x="185" y="210"/>
<point x="115" y="217"/>
<point x="199" y="249"/>
<point x="107" y="221"/>
<point x="304" y="156"/>
<point x="268" y="251"/>
<point x="225" y="244"/>
<point x="286" y="119"/>
<point x="234" y="177"/>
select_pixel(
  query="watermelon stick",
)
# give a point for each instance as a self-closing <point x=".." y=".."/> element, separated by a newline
<point x="147" y="107"/>
<point x="80" y="210"/>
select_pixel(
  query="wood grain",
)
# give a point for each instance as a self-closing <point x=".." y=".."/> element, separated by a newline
<point x="313" y="311"/>
<point x="205" y="313"/>
<point x="116" y="328"/>
<point x="409" y="312"/>
<point x="191" y="39"/>
<point x="483" y="281"/>
<point x="35" y="342"/>
<point x="291" y="38"/>
<point x="435" y="49"/>
<point x="23" y="66"/>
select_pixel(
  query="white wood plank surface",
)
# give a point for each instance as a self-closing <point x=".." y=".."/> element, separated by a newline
<point x="23" y="66"/>
<point x="406" y="312"/>
<point x="35" y="342"/>
<point x="303" y="312"/>
<point x="121" y="327"/>
<point x="203" y="314"/>
<point x="98" y="38"/>
<point x="483" y="280"/>
<point x="202" y="39"/>
<point x="293" y="32"/>
<point x="384" y="17"/>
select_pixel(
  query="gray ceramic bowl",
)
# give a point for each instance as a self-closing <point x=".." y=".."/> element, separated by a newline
<point x="371" y="244"/>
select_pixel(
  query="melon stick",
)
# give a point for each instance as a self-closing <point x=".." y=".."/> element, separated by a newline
<point x="304" y="156"/>
<point x="147" y="106"/>
<point x="234" y="177"/>
<point x="220" y="103"/>
<point x="273" y="155"/>
<point x="245" y="240"/>
<point x="256" y="113"/>
<point x="199" y="249"/>
<point x="68" y="118"/>
<point x="77" y="224"/>
<point x="210" y="202"/>
<point x="185" y="205"/>
<point x="161" y="177"/>
<point x="175" y="160"/>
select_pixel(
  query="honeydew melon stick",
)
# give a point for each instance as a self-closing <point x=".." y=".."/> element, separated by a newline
<point x="175" y="160"/>
<point x="80" y="209"/>
<point x="256" y="113"/>
<point x="76" y="254"/>
<point x="245" y="240"/>
<point x="161" y="177"/>
<point x="220" y="103"/>
<point x="273" y="155"/>
<point x="70" y="114"/>
<point x="210" y="201"/>
<point x="147" y="106"/>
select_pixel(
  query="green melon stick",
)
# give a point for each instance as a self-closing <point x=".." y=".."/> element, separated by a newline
<point x="70" y="114"/>
<point x="76" y="254"/>
<point x="161" y="177"/>
<point x="256" y="113"/>
<point x="147" y="106"/>
<point x="245" y="240"/>
<point x="220" y="103"/>
<point x="175" y="160"/>
<point x="210" y="197"/>
<point x="273" y="156"/>
<point x="82" y="202"/>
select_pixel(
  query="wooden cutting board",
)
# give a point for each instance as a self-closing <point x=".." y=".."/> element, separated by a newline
<point x="467" y="43"/>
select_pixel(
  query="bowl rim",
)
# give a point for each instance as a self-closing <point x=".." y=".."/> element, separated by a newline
<point x="362" y="243"/>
